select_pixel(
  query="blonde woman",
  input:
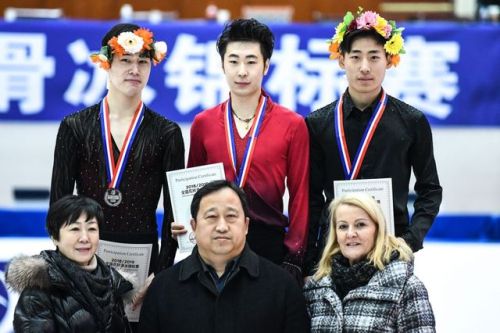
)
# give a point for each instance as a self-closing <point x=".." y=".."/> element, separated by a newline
<point x="364" y="281"/>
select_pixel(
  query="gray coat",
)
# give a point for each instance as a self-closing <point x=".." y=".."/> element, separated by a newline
<point x="394" y="300"/>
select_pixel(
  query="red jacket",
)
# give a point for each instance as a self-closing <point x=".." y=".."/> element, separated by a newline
<point x="281" y="155"/>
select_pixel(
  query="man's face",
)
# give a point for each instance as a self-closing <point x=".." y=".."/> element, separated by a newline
<point x="129" y="74"/>
<point x="221" y="226"/>
<point x="244" y="68"/>
<point x="365" y="67"/>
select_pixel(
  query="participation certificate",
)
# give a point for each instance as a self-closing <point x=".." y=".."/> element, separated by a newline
<point x="379" y="188"/>
<point x="182" y="185"/>
<point x="130" y="258"/>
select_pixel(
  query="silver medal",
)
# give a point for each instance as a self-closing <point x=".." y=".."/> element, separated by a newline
<point x="113" y="197"/>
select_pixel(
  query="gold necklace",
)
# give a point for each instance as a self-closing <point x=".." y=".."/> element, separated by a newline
<point x="246" y="121"/>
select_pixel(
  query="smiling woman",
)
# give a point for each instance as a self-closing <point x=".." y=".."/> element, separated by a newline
<point x="355" y="232"/>
<point x="365" y="280"/>
<point x="69" y="289"/>
<point x="78" y="241"/>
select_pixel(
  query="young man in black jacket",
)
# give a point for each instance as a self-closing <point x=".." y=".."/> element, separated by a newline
<point x="369" y="134"/>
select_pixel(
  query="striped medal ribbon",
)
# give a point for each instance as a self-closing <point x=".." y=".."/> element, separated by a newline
<point x="114" y="172"/>
<point x="242" y="173"/>
<point x="351" y="171"/>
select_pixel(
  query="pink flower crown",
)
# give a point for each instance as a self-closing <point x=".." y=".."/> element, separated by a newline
<point x="394" y="45"/>
<point x="138" y="41"/>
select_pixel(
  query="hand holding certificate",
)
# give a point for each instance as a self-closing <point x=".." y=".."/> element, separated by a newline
<point x="182" y="185"/>
<point x="131" y="258"/>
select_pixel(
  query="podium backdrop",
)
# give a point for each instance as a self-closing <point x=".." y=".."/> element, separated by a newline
<point x="451" y="71"/>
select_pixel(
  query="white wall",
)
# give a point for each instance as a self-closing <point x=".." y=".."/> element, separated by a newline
<point x="468" y="162"/>
<point x="463" y="284"/>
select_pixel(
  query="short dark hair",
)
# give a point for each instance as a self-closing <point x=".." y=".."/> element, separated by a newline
<point x="247" y="30"/>
<point x="350" y="37"/>
<point x="215" y="186"/>
<point x="68" y="209"/>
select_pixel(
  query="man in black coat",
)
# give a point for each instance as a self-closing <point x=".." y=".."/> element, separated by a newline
<point x="223" y="286"/>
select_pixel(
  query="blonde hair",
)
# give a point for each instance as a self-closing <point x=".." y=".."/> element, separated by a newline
<point x="384" y="246"/>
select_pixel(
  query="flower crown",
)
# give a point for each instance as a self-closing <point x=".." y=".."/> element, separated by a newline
<point x="394" y="45"/>
<point x="138" y="41"/>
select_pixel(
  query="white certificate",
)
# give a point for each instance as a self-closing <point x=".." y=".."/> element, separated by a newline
<point x="131" y="258"/>
<point x="182" y="185"/>
<point x="379" y="188"/>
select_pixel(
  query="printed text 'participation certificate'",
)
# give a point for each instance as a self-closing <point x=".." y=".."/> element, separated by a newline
<point x="379" y="188"/>
<point x="131" y="258"/>
<point x="182" y="185"/>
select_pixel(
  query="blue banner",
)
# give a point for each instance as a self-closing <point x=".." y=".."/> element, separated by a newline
<point x="446" y="227"/>
<point x="451" y="71"/>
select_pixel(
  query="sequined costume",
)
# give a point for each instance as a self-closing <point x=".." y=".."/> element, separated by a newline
<point x="79" y="159"/>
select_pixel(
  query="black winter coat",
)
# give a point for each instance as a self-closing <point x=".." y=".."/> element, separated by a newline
<point x="49" y="303"/>
<point x="260" y="297"/>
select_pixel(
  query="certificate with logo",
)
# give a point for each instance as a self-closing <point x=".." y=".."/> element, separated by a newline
<point x="182" y="185"/>
<point x="130" y="258"/>
<point x="379" y="188"/>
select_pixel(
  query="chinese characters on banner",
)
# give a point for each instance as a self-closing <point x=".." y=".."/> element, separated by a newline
<point x="46" y="75"/>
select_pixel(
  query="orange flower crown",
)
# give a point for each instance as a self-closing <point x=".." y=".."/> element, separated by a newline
<point x="138" y="41"/>
<point x="394" y="45"/>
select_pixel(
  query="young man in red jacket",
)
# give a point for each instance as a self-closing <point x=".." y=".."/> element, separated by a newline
<point x="262" y="145"/>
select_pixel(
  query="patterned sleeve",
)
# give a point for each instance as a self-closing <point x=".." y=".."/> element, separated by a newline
<point x="173" y="160"/>
<point x="415" y="313"/>
<point x="324" y="307"/>
<point x="65" y="162"/>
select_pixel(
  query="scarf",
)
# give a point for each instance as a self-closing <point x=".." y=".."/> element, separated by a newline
<point x="346" y="277"/>
<point x="93" y="289"/>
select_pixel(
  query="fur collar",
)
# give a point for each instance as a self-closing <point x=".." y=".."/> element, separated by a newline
<point x="27" y="272"/>
<point x="32" y="272"/>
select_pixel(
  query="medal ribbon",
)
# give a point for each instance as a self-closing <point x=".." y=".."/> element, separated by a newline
<point x="242" y="173"/>
<point x="115" y="172"/>
<point x="351" y="171"/>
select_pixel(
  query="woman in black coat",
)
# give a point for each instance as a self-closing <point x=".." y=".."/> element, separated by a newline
<point x="69" y="289"/>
